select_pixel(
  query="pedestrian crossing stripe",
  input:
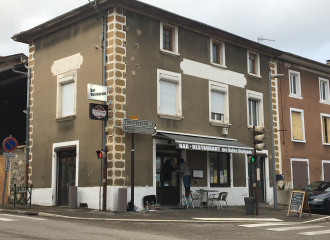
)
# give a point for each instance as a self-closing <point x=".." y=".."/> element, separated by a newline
<point x="241" y="219"/>
<point x="7" y="219"/>
<point x="282" y="229"/>
<point x="315" y="233"/>
<point x="267" y="224"/>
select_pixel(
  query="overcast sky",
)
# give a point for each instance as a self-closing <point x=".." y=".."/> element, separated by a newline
<point x="300" y="27"/>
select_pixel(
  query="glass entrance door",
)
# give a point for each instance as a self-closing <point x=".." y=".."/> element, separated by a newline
<point x="66" y="176"/>
<point x="167" y="179"/>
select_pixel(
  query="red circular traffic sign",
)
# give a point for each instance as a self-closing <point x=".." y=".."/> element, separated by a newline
<point x="9" y="144"/>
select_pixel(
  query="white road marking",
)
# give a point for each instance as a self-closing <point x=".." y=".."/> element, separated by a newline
<point x="282" y="229"/>
<point x="7" y="219"/>
<point x="315" y="233"/>
<point x="267" y="224"/>
<point x="241" y="219"/>
<point x="33" y="218"/>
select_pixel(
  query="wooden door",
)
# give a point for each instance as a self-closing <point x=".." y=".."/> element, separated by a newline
<point x="2" y="179"/>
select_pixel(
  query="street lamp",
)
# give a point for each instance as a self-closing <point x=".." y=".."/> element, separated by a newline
<point x="272" y="134"/>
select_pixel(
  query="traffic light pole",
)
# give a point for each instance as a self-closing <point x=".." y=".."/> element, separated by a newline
<point x="255" y="170"/>
<point x="132" y="174"/>
<point x="105" y="179"/>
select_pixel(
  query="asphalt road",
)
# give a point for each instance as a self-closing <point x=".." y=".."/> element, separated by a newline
<point x="34" y="227"/>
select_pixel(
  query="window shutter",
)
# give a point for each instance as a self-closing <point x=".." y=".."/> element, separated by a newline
<point x="324" y="122"/>
<point x="328" y="129"/>
<point x="67" y="104"/>
<point x="217" y="102"/>
<point x="297" y="126"/>
<point x="167" y="98"/>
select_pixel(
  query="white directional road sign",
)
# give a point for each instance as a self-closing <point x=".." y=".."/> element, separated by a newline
<point x="142" y="123"/>
<point x="139" y="129"/>
<point x="8" y="155"/>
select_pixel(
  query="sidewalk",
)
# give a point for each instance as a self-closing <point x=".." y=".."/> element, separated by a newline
<point x="171" y="214"/>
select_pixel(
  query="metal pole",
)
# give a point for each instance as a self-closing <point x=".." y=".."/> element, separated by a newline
<point x="132" y="174"/>
<point x="105" y="180"/>
<point x="272" y="139"/>
<point x="255" y="170"/>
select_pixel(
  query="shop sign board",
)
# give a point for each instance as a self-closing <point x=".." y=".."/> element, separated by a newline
<point x="98" y="112"/>
<point x="298" y="203"/>
<point x="97" y="92"/>
<point x="213" y="148"/>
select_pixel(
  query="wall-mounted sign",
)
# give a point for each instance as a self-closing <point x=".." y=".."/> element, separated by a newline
<point x="9" y="144"/>
<point x="132" y="117"/>
<point x="98" y="111"/>
<point x="97" y="92"/>
<point x="212" y="148"/>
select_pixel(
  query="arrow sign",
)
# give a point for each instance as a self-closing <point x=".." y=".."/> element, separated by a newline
<point x="142" y="123"/>
<point x="9" y="144"/>
<point x="139" y="129"/>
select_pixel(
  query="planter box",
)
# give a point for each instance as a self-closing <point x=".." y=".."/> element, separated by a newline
<point x="283" y="197"/>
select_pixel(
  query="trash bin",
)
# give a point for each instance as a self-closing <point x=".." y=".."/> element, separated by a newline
<point x="122" y="200"/>
<point x="73" y="196"/>
<point x="249" y="205"/>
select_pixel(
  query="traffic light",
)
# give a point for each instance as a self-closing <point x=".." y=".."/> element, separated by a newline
<point x="252" y="158"/>
<point x="101" y="154"/>
<point x="258" y="132"/>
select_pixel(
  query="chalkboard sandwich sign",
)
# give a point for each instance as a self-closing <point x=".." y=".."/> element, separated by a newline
<point x="298" y="203"/>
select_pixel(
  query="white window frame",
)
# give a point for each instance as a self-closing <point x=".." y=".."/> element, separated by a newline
<point x="222" y="53"/>
<point x="257" y="96"/>
<point x="299" y="160"/>
<point x="61" y="80"/>
<point x="175" y="39"/>
<point x="324" y="161"/>
<point x="298" y="84"/>
<point x="257" y="74"/>
<point x="327" y="94"/>
<point x="302" y="124"/>
<point x="173" y="78"/>
<point x="328" y="116"/>
<point x="221" y="88"/>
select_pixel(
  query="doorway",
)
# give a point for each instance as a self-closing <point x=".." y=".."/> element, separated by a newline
<point x="260" y="184"/>
<point x="167" y="179"/>
<point x="66" y="174"/>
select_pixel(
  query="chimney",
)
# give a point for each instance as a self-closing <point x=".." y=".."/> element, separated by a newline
<point x="328" y="62"/>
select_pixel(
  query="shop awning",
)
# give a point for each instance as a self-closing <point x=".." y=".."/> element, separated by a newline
<point x="202" y="143"/>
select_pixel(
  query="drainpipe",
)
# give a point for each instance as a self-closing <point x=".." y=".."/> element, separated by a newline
<point x="104" y="124"/>
<point x="27" y="123"/>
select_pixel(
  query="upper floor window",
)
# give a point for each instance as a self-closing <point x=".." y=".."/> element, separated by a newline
<point x="255" y="108"/>
<point x="297" y="125"/>
<point x="66" y="95"/>
<point x="217" y="53"/>
<point x="325" y="118"/>
<point x="253" y="63"/>
<point x="324" y="90"/>
<point x="169" y="94"/>
<point x="218" y="103"/>
<point x="295" y="90"/>
<point x="169" y="39"/>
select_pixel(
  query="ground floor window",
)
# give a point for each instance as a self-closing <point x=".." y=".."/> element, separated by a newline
<point x="219" y="170"/>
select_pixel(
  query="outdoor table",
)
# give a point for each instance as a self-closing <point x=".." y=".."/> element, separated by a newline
<point x="207" y="194"/>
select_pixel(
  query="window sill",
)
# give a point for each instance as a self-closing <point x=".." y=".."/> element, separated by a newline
<point x="298" y="141"/>
<point x="325" y="102"/>
<point x="66" y="118"/>
<point x="219" y="124"/>
<point x="295" y="96"/>
<point x="254" y="75"/>
<point x="218" y="65"/>
<point x="326" y="144"/>
<point x="172" y="117"/>
<point x="175" y="54"/>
